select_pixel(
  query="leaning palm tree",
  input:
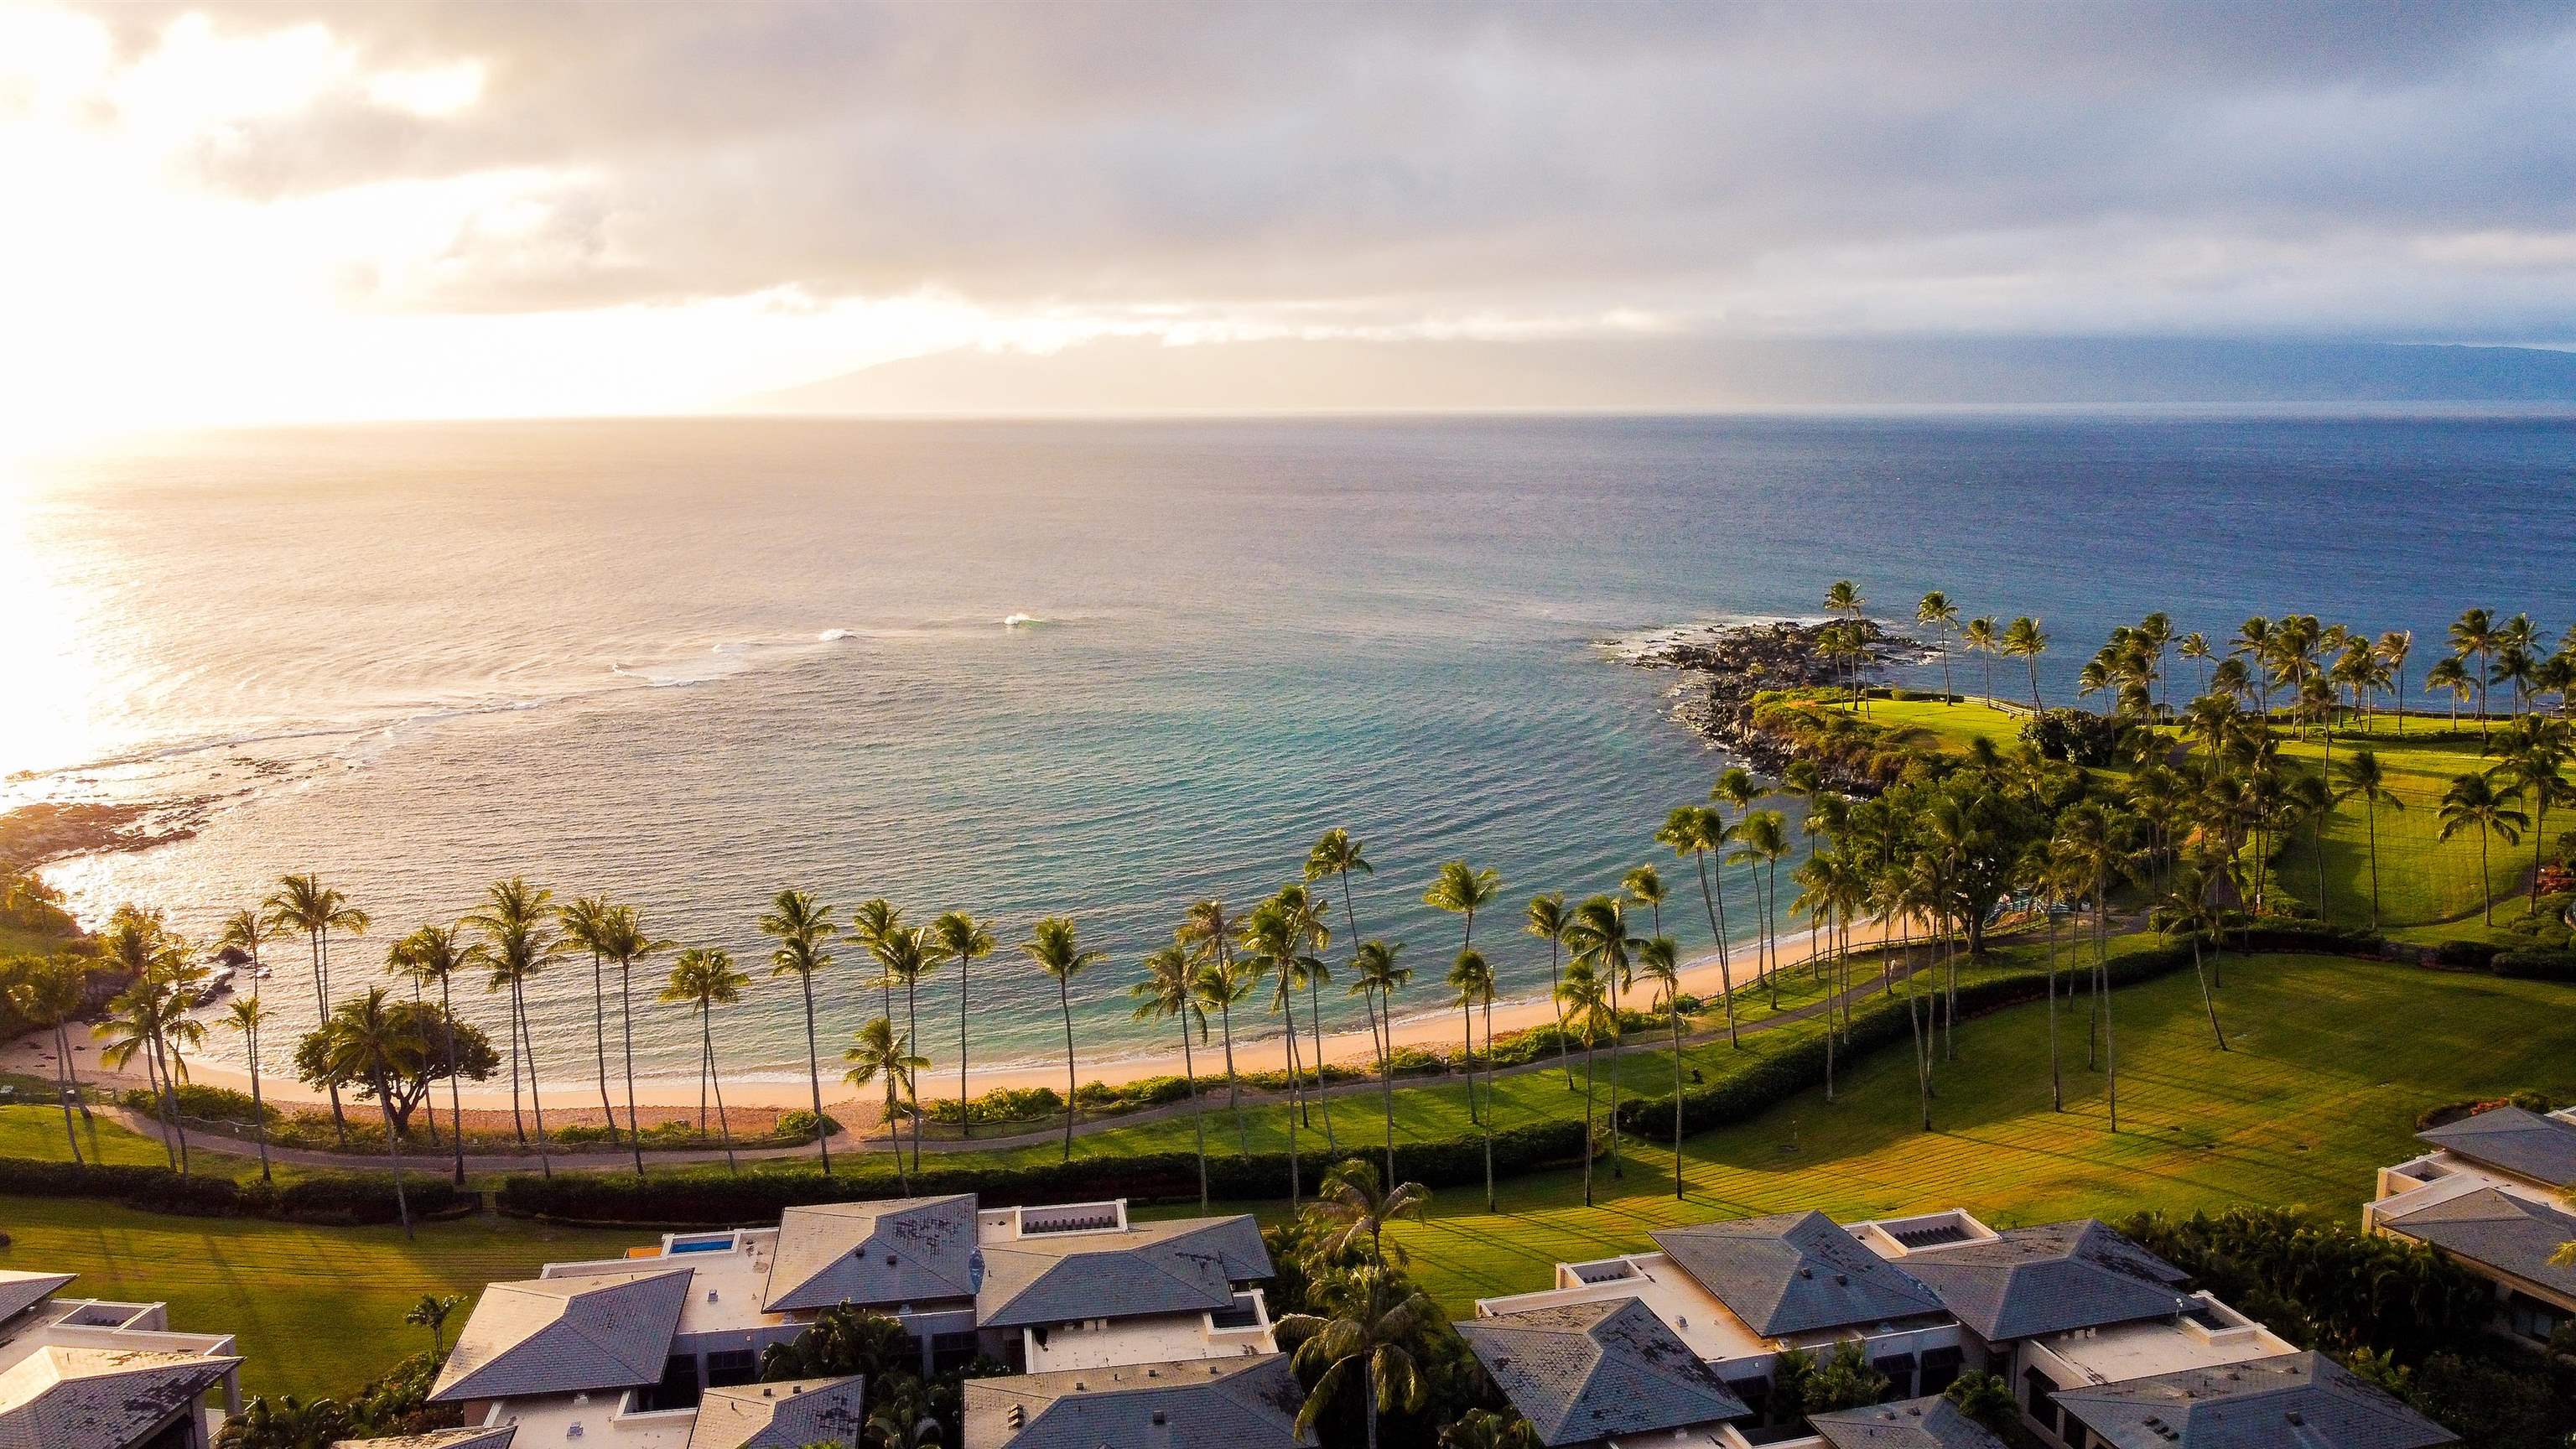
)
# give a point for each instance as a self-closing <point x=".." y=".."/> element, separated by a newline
<point x="436" y="953"/>
<point x="2192" y="908"/>
<point x="1223" y="984"/>
<point x="2474" y="803"/>
<point x="1979" y="636"/>
<point x="1544" y="917"/>
<point x="1307" y="925"/>
<point x="801" y="926"/>
<point x="959" y="937"/>
<point x="2535" y="752"/>
<point x="1659" y="961"/>
<point x="703" y="978"/>
<point x="1472" y="979"/>
<point x="2359" y="777"/>
<point x="1372" y="1318"/>
<point x="2023" y="639"/>
<point x="1695" y="831"/>
<point x="245" y="1014"/>
<point x="432" y="1312"/>
<point x="303" y="903"/>
<point x="586" y="924"/>
<point x="1463" y="891"/>
<point x="49" y="995"/>
<point x="2474" y="632"/>
<point x="368" y="1041"/>
<point x="1645" y="885"/>
<point x="872" y="921"/>
<point x="1587" y="1010"/>
<point x="1168" y="990"/>
<point x="1379" y="979"/>
<point x="1055" y="944"/>
<point x="876" y="1052"/>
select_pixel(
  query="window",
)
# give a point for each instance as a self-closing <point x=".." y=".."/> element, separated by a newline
<point x="728" y="1366"/>
<point x="2530" y="1317"/>
<point x="677" y="1390"/>
<point x="1898" y="1369"/>
<point x="2035" y="1388"/>
<point x="1940" y="1366"/>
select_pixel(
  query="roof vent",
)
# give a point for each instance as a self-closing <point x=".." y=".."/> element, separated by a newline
<point x="1842" y="1280"/>
<point x="1159" y="1420"/>
<point x="1806" y="1272"/>
<point x="890" y="1260"/>
<point x="711" y="1295"/>
<point x="2296" y="1418"/>
<point x="1015" y="1416"/>
<point x="573" y="1432"/>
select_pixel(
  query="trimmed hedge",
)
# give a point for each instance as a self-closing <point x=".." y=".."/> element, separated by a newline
<point x="338" y="1199"/>
<point x="2534" y="965"/>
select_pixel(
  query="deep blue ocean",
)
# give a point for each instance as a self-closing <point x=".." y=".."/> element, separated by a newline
<point x="690" y="662"/>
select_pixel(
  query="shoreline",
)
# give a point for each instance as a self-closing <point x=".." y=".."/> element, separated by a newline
<point x="1700" y="976"/>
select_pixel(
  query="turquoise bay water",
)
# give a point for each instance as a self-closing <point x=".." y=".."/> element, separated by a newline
<point x="688" y="663"/>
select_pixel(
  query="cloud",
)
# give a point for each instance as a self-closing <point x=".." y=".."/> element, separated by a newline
<point x="1994" y="167"/>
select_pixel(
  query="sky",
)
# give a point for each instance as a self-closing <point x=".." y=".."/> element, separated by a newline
<point x="236" y="214"/>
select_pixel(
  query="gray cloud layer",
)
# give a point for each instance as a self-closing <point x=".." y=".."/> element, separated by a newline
<point x="2289" y="167"/>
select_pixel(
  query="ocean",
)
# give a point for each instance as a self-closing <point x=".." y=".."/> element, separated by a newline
<point x="1099" y="669"/>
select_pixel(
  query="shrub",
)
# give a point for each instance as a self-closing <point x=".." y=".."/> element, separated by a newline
<point x="1002" y="1104"/>
<point x="2076" y="736"/>
<point x="2466" y="955"/>
<point x="2325" y="1285"/>
<point x="202" y="1104"/>
<point x="2450" y="1112"/>
<point x="2534" y="964"/>
<point x="337" y="1199"/>
<point x="802" y="1124"/>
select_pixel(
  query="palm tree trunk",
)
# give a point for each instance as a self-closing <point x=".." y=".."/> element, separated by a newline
<point x="626" y="1026"/>
<point x="1198" y="1115"/>
<point x="1315" y="1026"/>
<point x="1064" y="999"/>
<point x="1233" y="1087"/>
<point x="894" y="1133"/>
<point x="1617" y="1040"/>
<point x="911" y="1032"/>
<point x="2370" y="814"/>
<point x="1922" y="1051"/>
<point x="1296" y="1068"/>
<point x="599" y="1047"/>
<point x="2056" y="1080"/>
<point x="1587" y="1119"/>
<point x="1714" y="900"/>
<point x="455" y="1113"/>
<point x="2539" y="827"/>
<point x="2486" y="875"/>
<point x="1385" y="1071"/>
<point x="965" y="1118"/>
<point x="2207" y="1001"/>
<point x="813" y="1078"/>
<point x="178" y="1123"/>
<point x="1489" y="1101"/>
<point x="536" y="1093"/>
<point x="393" y="1146"/>
<point x="258" y="1108"/>
<point x="1467" y="1014"/>
<point x="1676" y="1006"/>
<point x="724" y="1128"/>
<point x="1555" y="983"/>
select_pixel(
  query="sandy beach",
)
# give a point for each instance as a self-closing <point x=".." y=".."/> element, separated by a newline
<point x="569" y="1082"/>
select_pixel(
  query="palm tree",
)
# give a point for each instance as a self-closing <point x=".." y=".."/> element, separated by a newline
<point x="2474" y="803"/>
<point x="370" y="1042"/>
<point x="2192" y="908"/>
<point x="1373" y="1318"/>
<point x="303" y="903"/>
<point x="1473" y="981"/>
<point x="875" y="1051"/>
<point x="1586" y="1007"/>
<point x="1659" y="961"/>
<point x="871" y="921"/>
<point x="961" y="938"/>
<point x="2089" y="837"/>
<point x="1307" y="923"/>
<point x="1336" y="854"/>
<point x="625" y="941"/>
<point x="2195" y="647"/>
<point x="1274" y="936"/>
<point x="1978" y="636"/>
<point x="435" y="953"/>
<point x="50" y="994"/>
<point x="246" y="1015"/>
<point x="2023" y="640"/>
<point x="1936" y="610"/>
<point x="432" y="1312"/>
<point x="1599" y="935"/>
<point x="1765" y="839"/>
<point x="1354" y="1202"/>
<point x="704" y="978"/>
<point x="1694" y="831"/>
<point x="1379" y="978"/>
<point x="2474" y="632"/>
<point x="1645" y="885"/>
<point x="585" y="925"/>
<point x="1168" y="990"/>
<point x="132" y="1028"/>
<point x="801" y="925"/>
<point x="516" y="945"/>
<point x="1544" y="917"/>
<point x="2535" y="750"/>
<point x="2449" y="674"/>
<point x="2393" y="647"/>
<point x="1462" y="891"/>
<point x="1211" y="931"/>
<point x="1055" y="945"/>
<point x="907" y="953"/>
<point x="2360" y="777"/>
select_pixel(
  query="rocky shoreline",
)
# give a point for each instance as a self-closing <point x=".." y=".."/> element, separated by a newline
<point x="1728" y="664"/>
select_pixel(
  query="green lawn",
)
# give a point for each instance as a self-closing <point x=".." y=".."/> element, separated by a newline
<point x="2321" y="1089"/>
<point x="27" y="1131"/>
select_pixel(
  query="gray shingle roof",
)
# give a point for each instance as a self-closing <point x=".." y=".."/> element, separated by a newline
<point x="1933" y="1423"/>
<point x="1795" y="1273"/>
<point x="2294" y="1401"/>
<point x="904" y="1250"/>
<point x="2508" y="1233"/>
<point x="785" y="1415"/>
<point x="1181" y="1265"/>
<point x="22" y="1291"/>
<point x="1588" y="1370"/>
<point x="498" y="1437"/>
<point x="559" y="1335"/>
<point x="98" y="1398"/>
<point x="2525" y="1144"/>
<point x="1236" y="1403"/>
<point x="2029" y="1281"/>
